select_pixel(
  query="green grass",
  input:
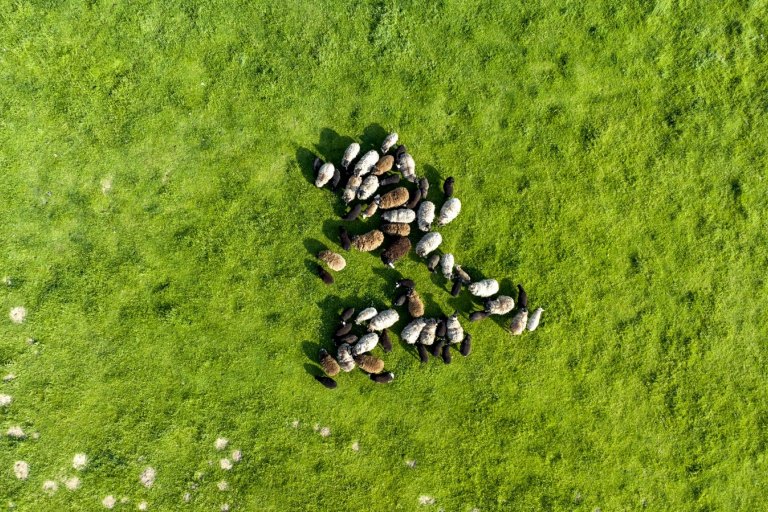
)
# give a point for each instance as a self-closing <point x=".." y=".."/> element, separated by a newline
<point x="610" y="156"/>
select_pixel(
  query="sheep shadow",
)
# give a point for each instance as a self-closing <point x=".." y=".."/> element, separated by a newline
<point x="435" y="184"/>
<point x="314" y="246"/>
<point x="331" y="145"/>
<point x="372" y="137"/>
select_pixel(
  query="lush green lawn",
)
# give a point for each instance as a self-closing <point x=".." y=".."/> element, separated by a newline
<point x="610" y="157"/>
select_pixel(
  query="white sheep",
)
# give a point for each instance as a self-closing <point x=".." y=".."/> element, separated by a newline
<point x="401" y="215"/>
<point x="366" y="163"/>
<point x="368" y="187"/>
<point x="426" y="215"/>
<point x="366" y="343"/>
<point x="449" y="211"/>
<point x="350" y="154"/>
<point x="407" y="165"/>
<point x="446" y="265"/>
<point x="484" y="288"/>
<point x="383" y="320"/>
<point x="427" y="335"/>
<point x="428" y="243"/>
<point x="365" y="315"/>
<point x="344" y="357"/>
<point x="390" y="141"/>
<point x="324" y="174"/>
<point x="517" y="325"/>
<point x="535" y="318"/>
<point x="455" y="332"/>
<point x="350" y="191"/>
<point x="501" y="305"/>
<point x="411" y="332"/>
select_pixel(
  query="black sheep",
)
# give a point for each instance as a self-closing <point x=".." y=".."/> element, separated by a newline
<point x="384" y="341"/>
<point x="437" y="346"/>
<point x="326" y="381"/>
<point x="383" y="378"/>
<point x="347" y="314"/>
<point x="399" y="247"/>
<point x="353" y="213"/>
<point x="324" y="275"/>
<point x="349" y="339"/>
<point x="317" y="164"/>
<point x="442" y="328"/>
<point x="466" y="345"/>
<point x="336" y="179"/>
<point x="424" y="187"/>
<point x="406" y="283"/>
<point x="413" y="199"/>
<point x="522" y="297"/>
<point x="456" y="289"/>
<point x="423" y="355"/>
<point x="400" y="300"/>
<point x="448" y="187"/>
<point x="447" y="353"/>
<point x="401" y="149"/>
<point x="478" y="315"/>
<point x="433" y="262"/>
<point x="346" y="243"/>
<point x="343" y="330"/>
<point x="393" y="179"/>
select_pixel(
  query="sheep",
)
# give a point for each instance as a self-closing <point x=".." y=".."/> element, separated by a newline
<point x="413" y="199"/>
<point x="383" y="320"/>
<point x="424" y="187"/>
<point x="466" y="345"/>
<point x="535" y="318"/>
<point x="393" y="199"/>
<point x="484" y="288"/>
<point x="428" y="243"/>
<point x="446" y="353"/>
<point x="437" y="347"/>
<point x="317" y="164"/>
<point x="324" y="275"/>
<point x="366" y="163"/>
<point x="392" y="179"/>
<point x="517" y="326"/>
<point x="389" y="141"/>
<point x="344" y="357"/>
<point x="368" y="187"/>
<point x="426" y="215"/>
<point x="462" y="275"/>
<point x="384" y="164"/>
<point x="324" y="174"/>
<point x="405" y="283"/>
<point x="326" y="381"/>
<point x="383" y="378"/>
<point x="423" y="355"/>
<point x="329" y="364"/>
<point x="446" y="265"/>
<point x="441" y="327"/>
<point x="353" y="213"/>
<point x="384" y="341"/>
<point x="366" y="315"/>
<point x="427" y="335"/>
<point x="449" y="211"/>
<point x="350" y="154"/>
<point x="399" y="247"/>
<point x="522" y="297"/>
<point x="448" y="187"/>
<point x="403" y="215"/>
<point x="478" y="315"/>
<point x="349" y="339"/>
<point x="334" y="261"/>
<point x="433" y="261"/>
<point x="371" y="210"/>
<point x="501" y="305"/>
<point x="336" y="179"/>
<point x="406" y="165"/>
<point x="350" y="191"/>
<point x="455" y="331"/>
<point x="347" y="314"/>
<point x="365" y="344"/>
<point x="456" y="288"/>
<point x="344" y="240"/>
<point x="415" y="305"/>
<point x="369" y="241"/>
<point x="369" y="363"/>
<point x="411" y="332"/>
<point x="400" y="300"/>
<point x="396" y="228"/>
<point x="401" y="149"/>
<point x="343" y="329"/>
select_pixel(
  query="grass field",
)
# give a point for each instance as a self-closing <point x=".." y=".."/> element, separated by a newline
<point x="158" y="222"/>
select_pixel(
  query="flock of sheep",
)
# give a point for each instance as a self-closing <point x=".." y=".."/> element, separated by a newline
<point x="374" y="178"/>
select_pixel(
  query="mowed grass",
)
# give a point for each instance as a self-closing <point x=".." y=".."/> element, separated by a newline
<point x="609" y="156"/>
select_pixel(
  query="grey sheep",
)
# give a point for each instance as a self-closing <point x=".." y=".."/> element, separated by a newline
<point x="446" y="265"/>
<point x="535" y="318"/>
<point x="406" y="165"/>
<point x="426" y="215"/>
<point x="324" y="174"/>
<point x="392" y="179"/>
<point x="449" y="211"/>
<point x="389" y="141"/>
<point x="350" y="191"/>
<point x="462" y="275"/>
<point x="344" y="357"/>
<point x="427" y="335"/>
<point x="501" y="305"/>
<point x="383" y="320"/>
<point x="393" y="199"/>
<point x="454" y="330"/>
<point x="401" y="215"/>
<point x="484" y="288"/>
<point x="517" y="326"/>
<point x="368" y="187"/>
<point x="350" y="154"/>
<point x="428" y="243"/>
<point x="433" y="262"/>
<point x="424" y="187"/>
<point x="410" y="333"/>
<point x="366" y="163"/>
<point x="369" y="241"/>
<point x="365" y="315"/>
<point x="365" y="344"/>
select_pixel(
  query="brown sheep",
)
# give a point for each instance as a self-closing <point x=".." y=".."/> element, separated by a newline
<point x="399" y="247"/>
<point x="415" y="304"/>
<point x="396" y="228"/>
<point x="329" y="364"/>
<point x="369" y="241"/>
<point x="369" y="363"/>
<point x="384" y="164"/>
<point x="334" y="261"/>
<point x="394" y="198"/>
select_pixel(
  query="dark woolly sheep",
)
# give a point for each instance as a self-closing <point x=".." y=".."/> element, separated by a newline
<point x="415" y="305"/>
<point x="484" y="288"/>
<point x="426" y="215"/>
<point x="450" y="210"/>
<point x="368" y="187"/>
<point x="535" y="318"/>
<point x="366" y="315"/>
<point x="478" y="315"/>
<point x="349" y="339"/>
<point x="350" y="191"/>
<point x="462" y="275"/>
<point x="366" y="163"/>
<point x="317" y="164"/>
<point x="324" y="275"/>
<point x="371" y="210"/>
<point x="383" y="320"/>
<point x="403" y="215"/>
<point x="365" y="344"/>
<point x="384" y="164"/>
<point x="522" y="297"/>
<point x="329" y="364"/>
<point x="400" y="300"/>
<point x="446" y="353"/>
<point x="384" y="341"/>
<point x="347" y="314"/>
<point x="369" y="241"/>
<point x="353" y="213"/>
<point x="396" y="228"/>
<point x="383" y="378"/>
<point x="501" y="305"/>
<point x="448" y="187"/>
<point x="336" y="179"/>
<point x="405" y="283"/>
<point x="344" y="240"/>
<point x="437" y="347"/>
<point x="394" y="198"/>
<point x="441" y="327"/>
<point x="334" y="261"/>
<point x="399" y="247"/>
<point x="344" y="357"/>
<point x="392" y="179"/>
<point x="428" y="243"/>
<point x="433" y="261"/>
<point x="423" y="354"/>
<point x="343" y="329"/>
<point x="517" y="326"/>
<point x="401" y="149"/>
<point x="350" y="154"/>
<point x="369" y="363"/>
<point x="456" y="288"/>
<point x="413" y="199"/>
<point x="424" y="187"/>
<point x="427" y="335"/>
<point x="466" y="345"/>
<point x="389" y="141"/>
<point x="455" y="332"/>
<point x="326" y="381"/>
